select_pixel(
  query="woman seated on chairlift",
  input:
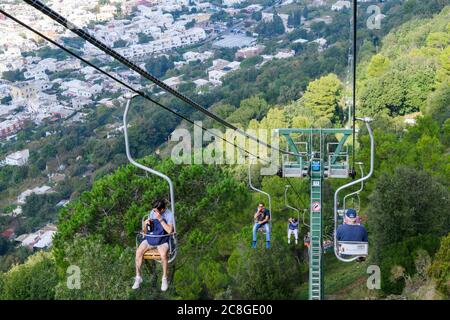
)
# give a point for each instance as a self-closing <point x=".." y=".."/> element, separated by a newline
<point x="159" y="222"/>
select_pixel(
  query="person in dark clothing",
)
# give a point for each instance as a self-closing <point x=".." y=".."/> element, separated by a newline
<point x="351" y="231"/>
<point x="262" y="218"/>
<point x="159" y="223"/>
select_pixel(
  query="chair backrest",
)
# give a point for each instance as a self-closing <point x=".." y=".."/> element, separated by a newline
<point x="353" y="248"/>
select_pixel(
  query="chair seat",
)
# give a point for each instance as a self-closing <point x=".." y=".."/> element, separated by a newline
<point x="152" y="254"/>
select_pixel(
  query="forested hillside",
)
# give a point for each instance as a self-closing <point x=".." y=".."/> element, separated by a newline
<point x="405" y="205"/>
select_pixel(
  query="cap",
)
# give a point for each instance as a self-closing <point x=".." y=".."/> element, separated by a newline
<point x="350" y="213"/>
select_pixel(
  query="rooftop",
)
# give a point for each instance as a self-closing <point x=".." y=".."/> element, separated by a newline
<point x="234" y="41"/>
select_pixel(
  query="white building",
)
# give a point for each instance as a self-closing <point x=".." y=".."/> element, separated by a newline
<point x="40" y="239"/>
<point x="249" y="52"/>
<point x="232" y="66"/>
<point x="221" y="68"/>
<point x="230" y="3"/>
<point x="45" y="240"/>
<point x="173" y="82"/>
<point x="106" y="12"/>
<point x="300" y="40"/>
<point x="268" y="17"/>
<point x="21" y="199"/>
<point x="219" y="64"/>
<point x="340" y="5"/>
<point x="284" y="54"/>
<point x="200" y="82"/>
<point x="19" y="158"/>
<point x="215" y="76"/>
<point x="322" y="42"/>
<point x="167" y="42"/>
<point x="194" y="56"/>
<point x="78" y="88"/>
<point x="17" y="211"/>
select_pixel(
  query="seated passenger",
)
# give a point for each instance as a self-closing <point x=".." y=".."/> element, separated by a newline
<point x="351" y="231"/>
<point x="160" y="222"/>
<point x="307" y="240"/>
<point x="327" y="245"/>
<point x="262" y="217"/>
<point x="293" y="229"/>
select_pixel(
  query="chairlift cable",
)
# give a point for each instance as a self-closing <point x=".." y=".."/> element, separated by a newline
<point x="355" y="29"/>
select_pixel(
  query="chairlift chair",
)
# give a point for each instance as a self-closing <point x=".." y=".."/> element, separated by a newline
<point x="348" y="251"/>
<point x="286" y="187"/>
<point x="151" y="254"/>
<point x="260" y="191"/>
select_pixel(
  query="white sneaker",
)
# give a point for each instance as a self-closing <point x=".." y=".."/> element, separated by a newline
<point x="164" y="284"/>
<point x="137" y="282"/>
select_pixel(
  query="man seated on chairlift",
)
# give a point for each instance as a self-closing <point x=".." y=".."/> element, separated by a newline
<point x="262" y="218"/>
<point x="159" y="222"/>
<point x="351" y="230"/>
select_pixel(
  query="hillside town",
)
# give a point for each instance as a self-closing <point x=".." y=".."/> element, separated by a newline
<point x="57" y="88"/>
<point x="41" y="85"/>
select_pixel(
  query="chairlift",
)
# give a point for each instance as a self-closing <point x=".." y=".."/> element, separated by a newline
<point x="353" y="195"/>
<point x="295" y="209"/>
<point x="292" y="208"/>
<point x="353" y="249"/>
<point x="259" y="191"/>
<point x="287" y="205"/>
<point x="151" y="254"/>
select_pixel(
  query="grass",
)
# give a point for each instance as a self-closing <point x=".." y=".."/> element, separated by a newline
<point x="343" y="281"/>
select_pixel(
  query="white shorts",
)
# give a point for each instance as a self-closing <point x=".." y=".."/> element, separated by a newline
<point x="165" y="244"/>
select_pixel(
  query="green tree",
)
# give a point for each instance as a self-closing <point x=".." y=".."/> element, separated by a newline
<point x="251" y="62"/>
<point x="190" y="24"/>
<point x="378" y="65"/>
<point x="106" y="272"/>
<point x="119" y="43"/>
<point x="144" y="38"/>
<point x="401" y="90"/>
<point x="395" y="214"/>
<point x="323" y="96"/>
<point x="263" y="274"/>
<point x="159" y="66"/>
<point x="440" y="268"/>
<point x="438" y="40"/>
<point x="13" y="76"/>
<point x="295" y="18"/>
<point x="399" y="261"/>
<point x="438" y="102"/>
<point x="443" y="73"/>
<point x="257" y="15"/>
<point x="271" y="28"/>
<point x="251" y="108"/>
<point x="305" y="13"/>
<point x="33" y="280"/>
<point x="5" y="245"/>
